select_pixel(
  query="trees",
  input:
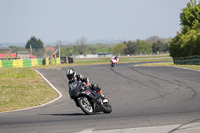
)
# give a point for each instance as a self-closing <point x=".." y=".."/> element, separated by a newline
<point x="153" y="39"/>
<point x="66" y="51"/>
<point x="14" y="49"/>
<point x="190" y="17"/>
<point x="91" y="49"/>
<point x="137" y="47"/>
<point x="119" y="49"/>
<point x="187" y="42"/>
<point x="160" y="46"/>
<point x="35" y="43"/>
<point x="131" y="48"/>
<point x="143" y="47"/>
<point x="37" y="46"/>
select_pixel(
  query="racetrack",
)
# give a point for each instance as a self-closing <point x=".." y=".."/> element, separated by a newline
<point x="140" y="97"/>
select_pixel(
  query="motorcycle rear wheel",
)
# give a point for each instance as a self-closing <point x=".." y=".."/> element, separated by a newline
<point x="85" y="105"/>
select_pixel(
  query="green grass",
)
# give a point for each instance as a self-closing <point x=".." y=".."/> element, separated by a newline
<point x="22" y="88"/>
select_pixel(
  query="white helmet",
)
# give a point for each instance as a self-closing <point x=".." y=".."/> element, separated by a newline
<point x="71" y="73"/>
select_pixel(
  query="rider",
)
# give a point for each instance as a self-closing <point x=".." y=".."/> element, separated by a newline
<point x="72" y="77"/>
<point x="115" y="58"/>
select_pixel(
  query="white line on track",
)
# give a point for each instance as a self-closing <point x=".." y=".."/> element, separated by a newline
<point x="59" y="96"/>
<point x="188" y="128"/>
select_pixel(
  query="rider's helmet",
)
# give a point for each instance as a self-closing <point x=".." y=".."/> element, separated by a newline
<point x="71" y="73"/>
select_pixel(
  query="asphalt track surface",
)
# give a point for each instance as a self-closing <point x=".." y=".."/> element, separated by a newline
<point x="140" y="97"/>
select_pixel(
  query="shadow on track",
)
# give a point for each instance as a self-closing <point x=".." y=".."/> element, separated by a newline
<point x="73" y="114"/>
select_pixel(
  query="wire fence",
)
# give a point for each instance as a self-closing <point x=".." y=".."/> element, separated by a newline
<point x="189" y="60"/>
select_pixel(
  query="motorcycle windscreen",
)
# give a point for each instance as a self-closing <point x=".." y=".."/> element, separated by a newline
<point x="75" y="87"/>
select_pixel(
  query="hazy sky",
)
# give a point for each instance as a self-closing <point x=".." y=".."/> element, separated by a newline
<point x="69" y="20"/>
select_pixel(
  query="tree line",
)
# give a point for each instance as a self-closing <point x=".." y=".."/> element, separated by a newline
<point x="187" y="41"/>
<point x="141" y="47"/>
<point x="34" y="46"/>
<point x="152" y="44"/>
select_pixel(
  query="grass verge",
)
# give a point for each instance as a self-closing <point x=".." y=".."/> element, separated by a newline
<point x="195" y="67"/>
<point x="23" y="88"/>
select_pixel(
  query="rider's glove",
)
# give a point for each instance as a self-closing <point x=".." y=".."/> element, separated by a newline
<point x="87" y="84"/>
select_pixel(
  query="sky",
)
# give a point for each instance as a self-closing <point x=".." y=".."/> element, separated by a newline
<point x="69" y="20"/>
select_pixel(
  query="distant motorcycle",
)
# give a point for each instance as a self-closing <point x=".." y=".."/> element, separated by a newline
<point x="113" y="63"/>
<point x="88" y="100"/>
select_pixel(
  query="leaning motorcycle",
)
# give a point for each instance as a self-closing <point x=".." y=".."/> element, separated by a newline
<point x="88" y="100"/>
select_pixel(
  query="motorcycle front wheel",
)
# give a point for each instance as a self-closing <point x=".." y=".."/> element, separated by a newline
<point x="107" y="107"/>
<point x="85" y="105"/>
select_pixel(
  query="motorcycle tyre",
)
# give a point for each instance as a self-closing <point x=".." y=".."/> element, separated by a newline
<point x="107" y="108"/>
<point x="112" y="64"/>
<point x="85" y="110"/>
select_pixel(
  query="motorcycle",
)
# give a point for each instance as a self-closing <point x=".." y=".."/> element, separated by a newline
<point x="88" y="100"/>
<point x="113" y="63"/>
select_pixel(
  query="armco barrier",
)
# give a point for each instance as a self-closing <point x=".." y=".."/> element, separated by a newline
<point x="7" y="63"/>
<point x="190" y="60"/>
<point x="34" y="62"/>
<point x="47" y="61"/>
<point x="39" y="61"/>
<point x="58" y="60"/>
<point x="17" y="63"/>
<point x="25" y="63"/>
<point x="55" y="61"/>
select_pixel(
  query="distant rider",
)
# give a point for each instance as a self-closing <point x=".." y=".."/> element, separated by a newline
<point x="72" y="77"/>
<point x="115" y="58"/>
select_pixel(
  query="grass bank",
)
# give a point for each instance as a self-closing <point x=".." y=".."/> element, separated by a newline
<point x="195" y="67"/>
<point x="23" y="88"/>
